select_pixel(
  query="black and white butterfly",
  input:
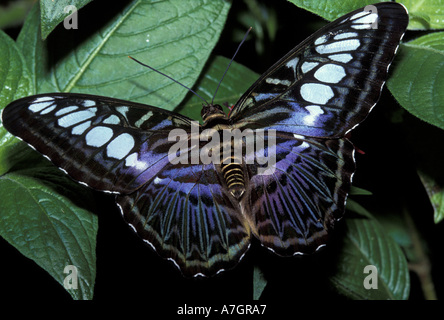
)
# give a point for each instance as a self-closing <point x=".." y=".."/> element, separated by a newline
<point x="202" y="216"/>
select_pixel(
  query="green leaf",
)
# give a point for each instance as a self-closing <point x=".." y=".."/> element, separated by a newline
<point x="259" y="283"/>
<point x="175" y="37"/>
<point x="47" y="227"/>
<point x="367" y="243"/>
<point x="32" y="46"/>
<point x="355" y="191"/>
<point x="13" y="13"/>
<point x="425" y="15"/>
<point x="332" y="9"/>
<point x="418" y="77"/>
<point x="54" y="12"/>
<point x="15" y="82"/>
<point x="435" y="191"/>
<point x="237" y="80"/>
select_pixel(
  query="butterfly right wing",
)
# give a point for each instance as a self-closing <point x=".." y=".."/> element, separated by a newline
<point x="298" y="194"/>
<point x="329" y="83"/>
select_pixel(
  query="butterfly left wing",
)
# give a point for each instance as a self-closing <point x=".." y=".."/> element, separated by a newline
<point x="181" y="210"/>
<point x="328" y="84"/>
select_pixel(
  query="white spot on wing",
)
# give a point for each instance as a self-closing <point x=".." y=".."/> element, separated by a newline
<point x="157" y="180"/>
<point x="120" y="146"/>
<point x="315" y="111"/>
<point x="292" y="63"/>
<point x="341" y="57"/>
<point x="338" y="46"/>
<point x="37" y="107"/>
<point x="44" y="99"/>
<point x="316" y="93"/>
<point x="320" y="40"/>
<point x="358" y="15"/>
<point x="122" y="110"/>
<point x="88" y="103"/>
<point x="330" y="73"/>
<point x="307" y="66"/>
<point x="148" y="115"/>
<point x="132" y="161"/>
<point x="98" y="136"/>
<point x="304" y="144"/>
<point x="78" y="130"/>
<point x="345" y="35"/>
<point x="76" y="117"/>
<point x="112" y="119"/>
<point x="48" y="110"/>
<point x="368" y="19"/>
<point x="65" y="110"/>
<point x="278" y="81"/>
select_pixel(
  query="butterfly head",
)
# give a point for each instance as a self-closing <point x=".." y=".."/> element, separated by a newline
<point x="212" y="111"/>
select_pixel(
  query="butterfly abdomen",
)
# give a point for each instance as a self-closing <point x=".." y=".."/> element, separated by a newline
<point x="234" y="177"/>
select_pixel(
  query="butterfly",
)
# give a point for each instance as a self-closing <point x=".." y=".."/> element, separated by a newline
<point x="203" y="216"/>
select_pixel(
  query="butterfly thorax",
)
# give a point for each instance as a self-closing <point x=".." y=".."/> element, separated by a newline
<point x="211" y="113"/>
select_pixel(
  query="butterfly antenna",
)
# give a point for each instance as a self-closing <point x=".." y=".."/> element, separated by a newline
<point x="231" y="61"/>
<point x="163" y="74"/>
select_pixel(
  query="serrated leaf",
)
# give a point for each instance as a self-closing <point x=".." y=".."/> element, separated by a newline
<point x="418" y="77"/>
<point x="15" y="82"/>
<point x="425" y="15"/>
<point x="54" y="12"/>
<point x="47" y="227"/>
<point x="237" y="80"/>
<point x="367" y="244"/>
<point x="175" y="37"/>
<point x="332" y="9"/>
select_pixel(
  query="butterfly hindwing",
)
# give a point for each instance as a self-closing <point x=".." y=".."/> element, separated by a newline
<point x="187" y="215"/>
<point x="296" y="201"/>
<point x="328" y="84"/>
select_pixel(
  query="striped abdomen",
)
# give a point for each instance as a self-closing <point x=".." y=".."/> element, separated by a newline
<point x="234" y="176"/>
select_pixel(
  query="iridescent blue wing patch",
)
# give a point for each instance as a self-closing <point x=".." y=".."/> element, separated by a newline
<point x="329" y="83"/>
<point x="295" y="202"/>
<point x="187" y="214"/>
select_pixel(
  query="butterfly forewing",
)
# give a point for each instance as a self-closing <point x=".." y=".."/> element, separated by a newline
<point x="328" y="84"/>
<point x="110" y="145"/>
